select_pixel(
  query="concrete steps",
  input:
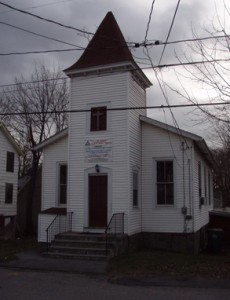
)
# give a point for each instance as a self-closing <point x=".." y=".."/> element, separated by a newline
<point x="80" y="246"/>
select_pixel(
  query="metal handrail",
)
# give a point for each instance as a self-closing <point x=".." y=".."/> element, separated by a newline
<point x="57" y="226"/>
<point x="115" y="226"/>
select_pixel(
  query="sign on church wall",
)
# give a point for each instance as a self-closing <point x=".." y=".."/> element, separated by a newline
<point x="98" y="150"/>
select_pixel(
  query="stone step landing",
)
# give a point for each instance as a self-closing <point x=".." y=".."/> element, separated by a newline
<point x="88" y="246"/>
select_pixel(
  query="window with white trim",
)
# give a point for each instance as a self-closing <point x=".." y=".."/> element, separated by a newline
<point x="165" y="182"/>
<point x="62" y="186"/>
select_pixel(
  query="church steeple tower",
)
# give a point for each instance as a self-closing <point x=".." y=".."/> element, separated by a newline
<point x="107" y="47"/>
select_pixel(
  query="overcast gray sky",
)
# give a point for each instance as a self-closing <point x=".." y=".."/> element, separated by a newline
<point x="132" y="17"/>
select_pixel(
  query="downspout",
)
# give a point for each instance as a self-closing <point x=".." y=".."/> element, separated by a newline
<point x="189" y="186"/>
<point x="192" y="190"/>
<point x="184" y="208"/>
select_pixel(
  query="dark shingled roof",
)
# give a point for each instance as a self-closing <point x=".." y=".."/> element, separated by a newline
<point x="107" y="46"/>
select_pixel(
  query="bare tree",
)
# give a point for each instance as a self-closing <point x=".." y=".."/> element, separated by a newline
<point x="222" y="163"/>
<point x="32" y="109"/>
<point x="210" y="78"/>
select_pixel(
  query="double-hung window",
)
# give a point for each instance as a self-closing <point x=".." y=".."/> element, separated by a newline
<point x="165" y="182"/>
<point x="62" y="184"/>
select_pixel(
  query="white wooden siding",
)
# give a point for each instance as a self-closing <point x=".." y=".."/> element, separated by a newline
<point x="52" y="155"/>
<point x="160" y="144"/>
<point x="201" y="213"/>
<point x="8" y="209"/>
<point x="112" y="89"/>
<point x="137" y="98"/>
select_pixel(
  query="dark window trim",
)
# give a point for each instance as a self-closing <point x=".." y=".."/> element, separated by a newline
<point x="62" y="185"/>
<point x="135" y="188"/>
<point x="165" y="183"/>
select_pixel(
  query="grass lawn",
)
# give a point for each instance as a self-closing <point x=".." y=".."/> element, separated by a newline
<point x="147" y="263"/>
<point x="9" y="248"/>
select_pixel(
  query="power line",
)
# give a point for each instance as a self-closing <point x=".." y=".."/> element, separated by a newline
<point x="118" y="108"/>
<point x="40" y="35"/>
<point x="54" y="22"/>
<point x="150" y="16"/>
<point x="34" y="81"/>
<point x="162" y="88"/>
<point x="47" y="20"/>
<point x="39" y="52"/>
<point x="34" y="7"/>
<point x="170" y="29"/>
<point x="82" y="48"/>
<point x="134" y="69"/>
<point x="160" y="43"/>
<point x="135" y="45"/>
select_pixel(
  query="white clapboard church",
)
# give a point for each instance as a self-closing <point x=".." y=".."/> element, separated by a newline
<point x="116" y="170"/>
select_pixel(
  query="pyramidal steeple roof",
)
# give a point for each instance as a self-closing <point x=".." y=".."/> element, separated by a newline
<point x="107" y="46"/>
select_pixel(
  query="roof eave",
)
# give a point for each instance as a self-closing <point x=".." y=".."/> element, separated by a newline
<point x="53" y="139"/>
<point x="111" y="68"/>
<point x="10" y="138"/>
<point x="198" y="140"/>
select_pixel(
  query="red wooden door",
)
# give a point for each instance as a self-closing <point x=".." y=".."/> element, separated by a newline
<point x="98" y="190"/>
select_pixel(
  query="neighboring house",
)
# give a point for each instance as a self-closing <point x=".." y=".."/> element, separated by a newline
<point x="9" y="163"/>
<point x="22" y="207"/>
<point x="113" y="161"/>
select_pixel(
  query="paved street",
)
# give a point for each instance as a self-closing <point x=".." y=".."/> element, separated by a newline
<point x="20" y="284"/>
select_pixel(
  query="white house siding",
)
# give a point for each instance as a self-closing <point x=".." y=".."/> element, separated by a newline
<point x="110" y="90"/>
<point x="137" y="98"/>
<point x="160" y="144"/>
<point x="52" y="155"/>
<point x="201" y="212"/>
<point x="7" y="177"/>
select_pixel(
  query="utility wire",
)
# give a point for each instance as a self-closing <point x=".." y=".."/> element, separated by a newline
<point x="82" y="48"/>
<point x="34" y="81"/>
<point x="170" y="29"/>
<point x="150" y="16"/>
<point x="80" y="31"/>
<point x="135" y="45"/>
<point x="133" y="69"/>
<point x="40" y="35"/>
<point x="47" y="20"/>
<point x="160" y="43"/>
<point x="118" y="108"/>
<point x="39" y="52"/>
<point x="38" y="6"/>
<point x="162" y="88"/>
